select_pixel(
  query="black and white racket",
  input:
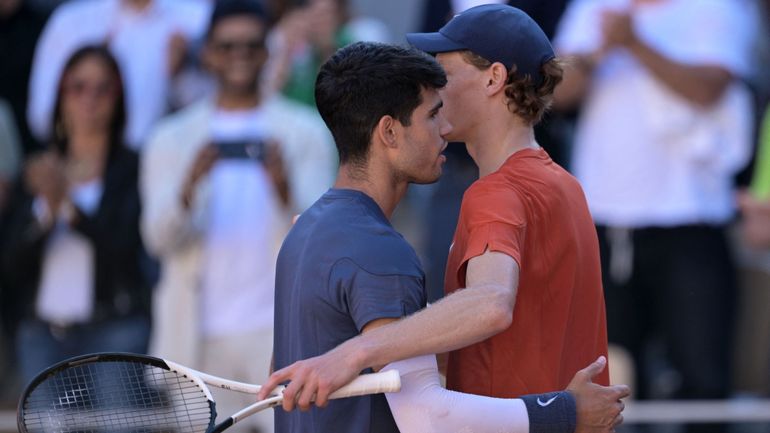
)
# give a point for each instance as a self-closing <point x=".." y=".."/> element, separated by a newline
<point x="125" y="392"/>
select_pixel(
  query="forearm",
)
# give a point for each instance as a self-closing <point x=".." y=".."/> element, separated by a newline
<point x="461" y="319"/>
<point x="701" y="85"/>
<point x="424" y="406"/>
<point x="481" y="310"/>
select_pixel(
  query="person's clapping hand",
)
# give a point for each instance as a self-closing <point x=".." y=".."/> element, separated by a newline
<point x="617" y="29"/>
<point x="44" y="176"/>
<point x="324" y="22"/>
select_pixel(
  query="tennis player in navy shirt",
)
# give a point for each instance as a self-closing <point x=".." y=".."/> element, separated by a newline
<point x="342" y="285"/>
<point x="343" y="267"/>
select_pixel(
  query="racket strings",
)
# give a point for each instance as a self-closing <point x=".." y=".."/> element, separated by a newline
<point x="119" y="396"/>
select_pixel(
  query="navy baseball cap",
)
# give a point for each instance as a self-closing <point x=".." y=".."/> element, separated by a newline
<point x="498" y="33"/>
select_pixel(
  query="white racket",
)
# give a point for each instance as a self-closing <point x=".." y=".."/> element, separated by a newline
<point x="125" y="392"/>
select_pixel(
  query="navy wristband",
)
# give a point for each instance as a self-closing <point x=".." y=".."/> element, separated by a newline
<point x="552" y="412"/>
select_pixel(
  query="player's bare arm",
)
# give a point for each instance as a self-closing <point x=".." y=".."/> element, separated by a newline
<point x="598" y="408"/>
<point x="461" y="319"/>
<point x="307" y="387"/>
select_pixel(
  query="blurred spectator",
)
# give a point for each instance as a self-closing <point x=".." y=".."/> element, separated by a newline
<point x="9" y="165"/>
<point x="751" y="351"/>
<point x="752" y="354"/>
<point x="72" y="251"/>
<point x="751" y="369"/>
<point x="460" y="171"/>
<point x="306" y="35"/>
<point x="20" y="27"/>
<point x="10" y="150"/>
<point x="148" y="37"/>
<point x="216" y="212"/>
<point x="666" y="122"/>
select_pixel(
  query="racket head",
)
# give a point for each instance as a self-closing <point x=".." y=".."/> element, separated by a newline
<point x="115" y="392"/>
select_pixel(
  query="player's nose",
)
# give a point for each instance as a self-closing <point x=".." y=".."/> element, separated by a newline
<point x="446" y="127"/>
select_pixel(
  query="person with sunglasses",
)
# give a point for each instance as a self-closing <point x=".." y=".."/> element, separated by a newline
<point x="150" y="39"/>
<point x="72" y="254"/>
<point x="220" y="180"/>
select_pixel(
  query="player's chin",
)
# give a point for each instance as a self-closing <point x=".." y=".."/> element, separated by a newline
<point x="428" y="178"/>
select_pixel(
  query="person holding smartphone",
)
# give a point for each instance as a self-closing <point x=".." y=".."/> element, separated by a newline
<point x="220" y="180"/>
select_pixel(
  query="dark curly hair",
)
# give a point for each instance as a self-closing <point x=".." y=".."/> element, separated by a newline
<point x="525" y="99"/>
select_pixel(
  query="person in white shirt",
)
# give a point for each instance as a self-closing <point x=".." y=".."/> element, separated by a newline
<point x="149" y="39"/>
<point x="665" y="124"/>
<point x="220" y="182"/>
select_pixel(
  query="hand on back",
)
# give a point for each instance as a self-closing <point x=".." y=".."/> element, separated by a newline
<point x="599" y="408"/>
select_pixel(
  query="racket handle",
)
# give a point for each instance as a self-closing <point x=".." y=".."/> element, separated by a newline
<point x="375" y="383"/>
<point x="388" y="381"/>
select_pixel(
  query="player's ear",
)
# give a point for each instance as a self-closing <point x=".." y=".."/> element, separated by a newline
<point x="385" y="131"/>
<point x="497" y="75"/>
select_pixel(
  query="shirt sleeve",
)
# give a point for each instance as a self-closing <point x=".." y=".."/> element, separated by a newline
<point x="369" y="296"/>
<point x="496" y="220"/>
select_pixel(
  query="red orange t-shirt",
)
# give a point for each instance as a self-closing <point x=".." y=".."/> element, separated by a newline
<point x="534" y="211"/>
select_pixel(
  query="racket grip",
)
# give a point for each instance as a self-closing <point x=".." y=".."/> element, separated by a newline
<point x="374" y="383"/>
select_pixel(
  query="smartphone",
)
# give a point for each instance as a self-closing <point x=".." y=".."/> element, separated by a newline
<point x="242" y="149"/>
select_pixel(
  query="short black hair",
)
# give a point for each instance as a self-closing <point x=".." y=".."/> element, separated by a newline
<point x="227" y="8"/>
<point x="364" y="81"/>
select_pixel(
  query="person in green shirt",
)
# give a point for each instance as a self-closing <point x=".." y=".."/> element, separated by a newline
<point x="308" y="35"/>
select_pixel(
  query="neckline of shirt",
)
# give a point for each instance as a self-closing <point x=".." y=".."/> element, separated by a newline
<point x="528" y="152"/>
<point x="362" y="198"/>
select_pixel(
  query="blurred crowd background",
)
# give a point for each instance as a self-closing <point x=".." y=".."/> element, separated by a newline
<point x="153" y="153"/>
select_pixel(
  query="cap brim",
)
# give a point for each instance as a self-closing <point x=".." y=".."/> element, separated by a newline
<point x="433" y="42"/>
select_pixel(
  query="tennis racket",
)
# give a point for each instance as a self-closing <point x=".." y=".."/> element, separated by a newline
<point x="125" y="392"/>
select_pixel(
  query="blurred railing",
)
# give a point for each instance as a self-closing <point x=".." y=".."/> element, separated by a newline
<point x="697" y="411"/>
<point x="648" y="412"/>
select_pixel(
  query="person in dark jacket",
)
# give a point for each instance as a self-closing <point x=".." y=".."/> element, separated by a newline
<point x="72" y="250"/>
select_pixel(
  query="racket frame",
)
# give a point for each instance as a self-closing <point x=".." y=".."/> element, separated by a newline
<point x="389" y="381"/>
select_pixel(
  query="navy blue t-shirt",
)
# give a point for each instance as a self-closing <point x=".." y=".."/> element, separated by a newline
<point x="341" y="266"/>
